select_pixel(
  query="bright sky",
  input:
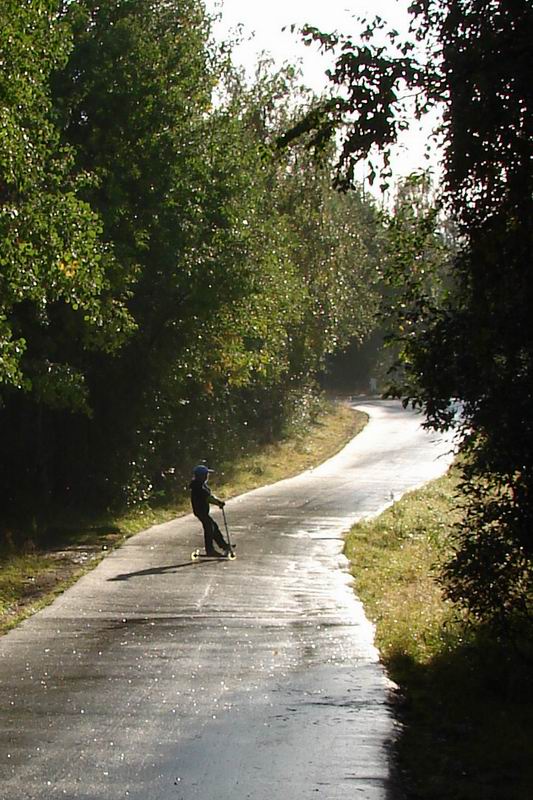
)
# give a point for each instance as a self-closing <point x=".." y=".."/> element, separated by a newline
<point x="262" y="31"/>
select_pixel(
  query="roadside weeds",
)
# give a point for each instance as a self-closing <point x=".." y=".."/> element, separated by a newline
<point x="464" y="700"/>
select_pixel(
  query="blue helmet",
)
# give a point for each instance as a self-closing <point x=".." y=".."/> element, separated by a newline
<point x="201" y="472"/>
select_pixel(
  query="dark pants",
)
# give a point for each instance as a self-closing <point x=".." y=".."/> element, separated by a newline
<point x="212" y="531"/>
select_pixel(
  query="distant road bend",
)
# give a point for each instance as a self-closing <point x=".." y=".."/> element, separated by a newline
<point x="154" y="678"/>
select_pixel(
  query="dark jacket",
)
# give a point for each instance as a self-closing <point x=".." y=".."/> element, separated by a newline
<point x="200" y="495"/>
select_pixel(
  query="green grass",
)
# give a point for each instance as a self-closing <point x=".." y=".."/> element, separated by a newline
<point x="30" y="577"/>
<point x="465" y="700"/>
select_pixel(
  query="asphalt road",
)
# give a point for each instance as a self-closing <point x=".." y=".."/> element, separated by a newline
<point x="154" y="678"/>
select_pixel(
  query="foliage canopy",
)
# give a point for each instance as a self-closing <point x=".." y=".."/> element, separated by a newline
<point x="54" y="265"/>
<point x="171" y="283"/>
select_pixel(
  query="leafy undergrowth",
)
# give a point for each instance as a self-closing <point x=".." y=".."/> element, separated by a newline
<point x="464" y="698"/>
<point x="30" y="578"/>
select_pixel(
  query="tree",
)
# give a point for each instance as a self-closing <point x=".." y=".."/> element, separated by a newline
<point x="57" y="304"/>
<point x="53" y="260"/>
<point x="190" y="202"/>
<point x="331" y="239"/>
<point x="223" y="269"/>
<point x="477" y="345"/>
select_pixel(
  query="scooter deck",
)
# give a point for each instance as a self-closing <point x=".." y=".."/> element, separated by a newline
<point x="196" y="555"/>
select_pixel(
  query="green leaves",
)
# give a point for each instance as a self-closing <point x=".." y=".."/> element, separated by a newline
<point x="51" y="253"/>
<point x="11" y="352"/>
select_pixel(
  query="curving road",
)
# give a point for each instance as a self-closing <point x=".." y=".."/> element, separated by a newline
<point x="157" y="679"/>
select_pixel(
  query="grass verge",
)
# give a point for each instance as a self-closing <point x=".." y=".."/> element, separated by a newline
<point x="31" y="579"/>
<point x="464" y="699"/>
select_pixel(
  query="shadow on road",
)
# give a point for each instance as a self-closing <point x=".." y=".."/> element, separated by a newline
<point x="125" y="576"/>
